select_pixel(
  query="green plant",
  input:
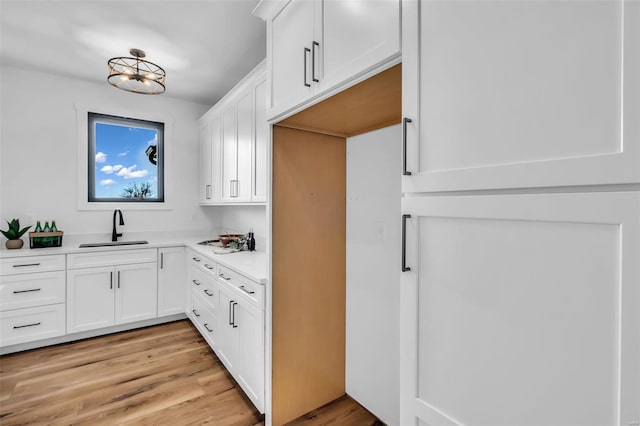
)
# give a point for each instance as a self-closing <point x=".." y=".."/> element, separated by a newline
<point x="14" y="232"/>
<point x="137" y="191"/>
<point x="237" y="244"/>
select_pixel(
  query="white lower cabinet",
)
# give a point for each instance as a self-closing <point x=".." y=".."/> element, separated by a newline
<point x="521" y="309"/>
<point x="172" y="288"/>
<point x="228" y="310"/>
<point x="32" y="299"/>
<point x="103" y="296"/>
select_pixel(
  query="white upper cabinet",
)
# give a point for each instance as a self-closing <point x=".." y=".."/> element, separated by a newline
<point x="233" y="145"/>
<point x="209" y="188"/>
<point x="259" y="156"/>
<point x="516" y="94"/>
<point x="316" y="46"/>
<point x="291" y="33"/>
<point x="204" y="153"/>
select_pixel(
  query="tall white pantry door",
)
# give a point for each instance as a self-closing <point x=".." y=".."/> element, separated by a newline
<point x="521" y="310"/>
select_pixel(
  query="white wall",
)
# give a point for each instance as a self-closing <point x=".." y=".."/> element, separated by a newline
<point x="373" y="271"/>
<point x="241" y="218"/>
<point x="38" y="154"/>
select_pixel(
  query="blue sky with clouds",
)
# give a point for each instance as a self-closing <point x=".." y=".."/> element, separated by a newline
<point x="121" y="160"/>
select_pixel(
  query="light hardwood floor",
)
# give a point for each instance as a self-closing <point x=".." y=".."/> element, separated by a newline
<point x="158" y="375"/>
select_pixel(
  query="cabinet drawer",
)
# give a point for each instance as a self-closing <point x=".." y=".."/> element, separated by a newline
<point x="29" y="290"/>
<point x="203" y="263"/>
<point x="28" y="264"/>
<point x="110" y="258"/>
<point x="204" y="317"/>
<point x="29" y="324"/>
<point x="205" y="284"/>
<point x="250" y="290"/>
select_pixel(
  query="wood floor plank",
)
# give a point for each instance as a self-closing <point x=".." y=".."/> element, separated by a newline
<point x="165" y="374"/>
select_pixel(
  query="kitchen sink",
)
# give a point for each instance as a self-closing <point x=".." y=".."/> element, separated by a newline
<point x="113" y="243"/>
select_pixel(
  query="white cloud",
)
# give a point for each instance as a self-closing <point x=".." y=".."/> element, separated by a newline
<point x="153" y="141"/>
<point x="101" y="157"/>
<point x="122" y="154"/>
<point x="106" y="182"/>
<point x="130" y="173"/>
<point x="111" y="169"/>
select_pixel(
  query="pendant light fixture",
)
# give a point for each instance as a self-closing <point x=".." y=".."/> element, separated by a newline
<point x="136" y="75"/>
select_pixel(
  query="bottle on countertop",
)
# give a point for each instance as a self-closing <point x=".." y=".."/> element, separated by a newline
<point x="46" y="227"/>
<point x="38" y="227"/>
<point x="251" y="242"/>
<point x="54" y="228"/>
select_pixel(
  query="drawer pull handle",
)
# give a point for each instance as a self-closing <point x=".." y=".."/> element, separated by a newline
<point x="306" y="52"/>
<point x="405" y="120"/>
<point x="26" y="291"/>
<point x="224" y="278"/>
<point x="405" y="268"/>
<point x="206" y="265"/>
<point x="196" y="259"/>
<point x="233" y="310"/>
<point x="26" y="264"/>
<point x="206" y="291"/>
<point x="195" y="313"/>
<point x="246" y="291"/>
<point x="313" y="61"/>
<point x="196" y="282"/>
<point x="207" y="327"/>
<point x="28" y="325"/>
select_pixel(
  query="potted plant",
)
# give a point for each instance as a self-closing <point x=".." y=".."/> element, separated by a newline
<point x="14" y="233"/>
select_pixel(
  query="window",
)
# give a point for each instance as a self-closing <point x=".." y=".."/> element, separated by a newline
<point x="126" y="159"/>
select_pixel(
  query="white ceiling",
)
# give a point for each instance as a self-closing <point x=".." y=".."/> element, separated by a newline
<point x="205" y="46"/>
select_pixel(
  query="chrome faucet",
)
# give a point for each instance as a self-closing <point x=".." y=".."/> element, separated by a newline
<point x="114" y="234"/>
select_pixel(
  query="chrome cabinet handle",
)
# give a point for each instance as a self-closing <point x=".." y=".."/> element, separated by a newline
<point x="196" y="259"/>
<point x="206" y="291"/>
<point x="246" y="291"/>
<point x="195" y="313"/>
<point x="26" y="291"/>
<point x="306" y="54"/>
<point x="230" y="320"/>
<point x="118" y="279"/>
<point x="206" y="265"/>
<point x="313" y="62"/>
<point x="208" y="192"/>
<point x="26" y="264"/>
<point x="223" y="277"/>
<point x="405" y="120"/>
<point x="206" y="325"/>
<point x="111" y="280"/>
<point x="161" y="260"/>
<point x="196" y="282"/>
<point x="27" y="325"/>
<point x="405" y="268"/>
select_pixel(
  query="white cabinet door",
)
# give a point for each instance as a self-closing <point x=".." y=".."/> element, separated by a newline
<point x="291" y="35"/>
<point x="90" y="298"/>
<point x="521" y="309"/>
<point x="227" y="349"/>
<point x="250" y="366"/>
<point x="205" y="186"/>
<point x="172" y="281"/>
<point x="229" y="163"/>
<point x="357" y="35"/>
<point x="244" y="143"/>
<point x="261" y="140"/>
<point x="515" y="94"/>
<point x="216" y="149"/>
<point x="136" y="292"/>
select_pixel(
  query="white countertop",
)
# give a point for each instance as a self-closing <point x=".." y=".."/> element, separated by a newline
<point x="252" y="264"/>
